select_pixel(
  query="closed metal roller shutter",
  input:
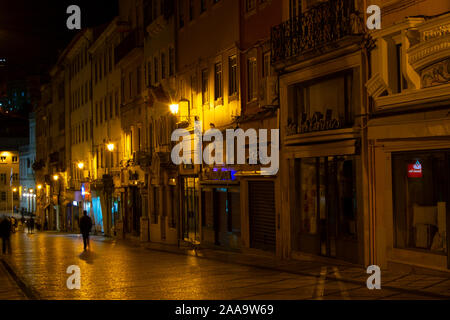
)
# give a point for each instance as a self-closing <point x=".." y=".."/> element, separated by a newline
<point x="262" y="215"/>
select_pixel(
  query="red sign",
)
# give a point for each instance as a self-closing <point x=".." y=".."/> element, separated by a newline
<point x="415" y="170"/>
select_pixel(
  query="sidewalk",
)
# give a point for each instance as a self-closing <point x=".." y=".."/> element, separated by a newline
<point x="405" y="284"/>
<point x="432" y="285"/>
<point x="9" y="290"/>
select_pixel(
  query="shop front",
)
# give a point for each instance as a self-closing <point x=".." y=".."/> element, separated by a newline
<point x="221" y="208"/>
<point x="190" y="217"/>
<point x="412" y="193"/>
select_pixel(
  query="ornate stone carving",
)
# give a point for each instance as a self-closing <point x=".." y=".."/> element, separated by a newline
<point x="436" y="74"/>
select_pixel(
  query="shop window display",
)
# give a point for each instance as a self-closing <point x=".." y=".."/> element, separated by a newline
<point x="420" y="198"/>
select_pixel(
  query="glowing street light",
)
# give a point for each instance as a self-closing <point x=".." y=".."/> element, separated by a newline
<point x="174" y="108"/>
<point x="110" y="147"/>
<point x="14" y="189"/>
<point x="30" y="191"/>
<point x="39" y="186"/>
<point x="80" y="165"/>
<point x="55" y="177"/>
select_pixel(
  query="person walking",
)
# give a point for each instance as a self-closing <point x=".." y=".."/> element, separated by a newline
<point x="5" y="234"/>
<point x="85" y="228"/>
<point x="31" y="225"/>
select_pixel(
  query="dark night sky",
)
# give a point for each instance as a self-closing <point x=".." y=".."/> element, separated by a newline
<point x="32" y="32"/>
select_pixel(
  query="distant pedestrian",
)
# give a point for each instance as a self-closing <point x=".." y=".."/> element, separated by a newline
<point x="31" y="225"/>
<point x="85" y="228"/>
<point x="5" y="234"/>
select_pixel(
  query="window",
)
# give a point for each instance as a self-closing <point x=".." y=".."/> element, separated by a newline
<point x="266" y="65"/>
<point x="96" y="114"/>
<point x="138" y="80"/>
<point x="2" y="159"/>
<point x="149" y="73"/>
<point x="101" y="112"/>
<point x="171" y="62"/>
<point x="130" y="85"/>
<point x="14" y="159"/>
<point x="202" y="6"/>
<point x="251" y="79"/>
<point x="111" y="106"/>
<point x="100" y="73"/>
<point x="117" y="103"/>
<point x="205" y="93"/>
<point x="106" y="109"/>
<point x="218" y="81"/>
<point x="421" y="200"/>
<point x="3" y="196"/>
<point x="191" y="10"/>
<point x="122" y="90"/>
<point x="295" y="8"/>
<point x="163" y="65"/>
<point x="3" y="178"/>
<point x="96" y="72"/>
<point x="400" y="81"/>
<point x="181" y="13"/>
<point x="250" y="5"/>
<point x="335" y="108"/>
<point x="110" y="59"/>
<point x="232" y="75"/>
<point x="155" y="69"/>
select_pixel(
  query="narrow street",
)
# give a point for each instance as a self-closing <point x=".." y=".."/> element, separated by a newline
<point x="116" y="270"/>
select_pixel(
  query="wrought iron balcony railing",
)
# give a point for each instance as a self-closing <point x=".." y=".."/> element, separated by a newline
<point x="323" y="24"/>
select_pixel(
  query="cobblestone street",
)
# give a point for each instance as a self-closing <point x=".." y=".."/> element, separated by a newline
<point x="117" y="270"/>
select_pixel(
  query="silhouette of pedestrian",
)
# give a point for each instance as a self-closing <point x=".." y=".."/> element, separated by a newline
<point x="85" y="228"/>
<point x="5" y="234"/>
<point x="31" y="225"/>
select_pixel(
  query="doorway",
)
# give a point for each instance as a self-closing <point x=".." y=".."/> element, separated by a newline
<point x="326" y="207"/>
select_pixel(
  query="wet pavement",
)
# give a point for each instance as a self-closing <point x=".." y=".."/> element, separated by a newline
<point x="118" y="270"/>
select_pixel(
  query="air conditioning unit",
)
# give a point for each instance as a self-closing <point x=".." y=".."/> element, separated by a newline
<point x="268" y="91"/>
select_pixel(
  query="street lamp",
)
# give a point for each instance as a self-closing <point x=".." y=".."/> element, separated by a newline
<point x="110" y="147"/>
<point x="80" y="165"/>
<point x="39" y="186"/>
<point x="55" y="177"/>
<point x="12" y="198"/>
<point x="174" y="108"/>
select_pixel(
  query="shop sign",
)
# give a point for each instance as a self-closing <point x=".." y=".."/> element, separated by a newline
<point x="86" y="191"/>
<point x="415" y="170"/>
<point x="220" y="174"/>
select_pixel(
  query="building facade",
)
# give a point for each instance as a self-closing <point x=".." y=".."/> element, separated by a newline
<point x="325" y="209"/>
<point x="9" y="182"/>
<point x="408" y="135"/>
<point x="27" y="155"/>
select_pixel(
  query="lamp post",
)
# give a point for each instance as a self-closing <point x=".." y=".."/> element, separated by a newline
<point x="12" y="198"/>
<point x="108" y="186"/>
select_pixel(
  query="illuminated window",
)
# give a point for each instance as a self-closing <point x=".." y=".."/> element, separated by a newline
<point x="421" y="200"/>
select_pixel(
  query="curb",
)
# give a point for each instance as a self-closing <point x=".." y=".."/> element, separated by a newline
<point x="28" y="291"/>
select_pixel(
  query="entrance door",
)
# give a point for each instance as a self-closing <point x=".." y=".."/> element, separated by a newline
<point x="262" y="215"/>
<point x="326" y="216"/>
<point x="191" y="217"/>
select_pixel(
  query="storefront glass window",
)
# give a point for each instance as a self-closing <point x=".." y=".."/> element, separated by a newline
<point x="327" y="205"/>
<point x="420" y="198"/>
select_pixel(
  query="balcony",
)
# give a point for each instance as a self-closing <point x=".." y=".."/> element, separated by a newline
<point x="133" y="40"/>
<point x="321" y="26"/>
